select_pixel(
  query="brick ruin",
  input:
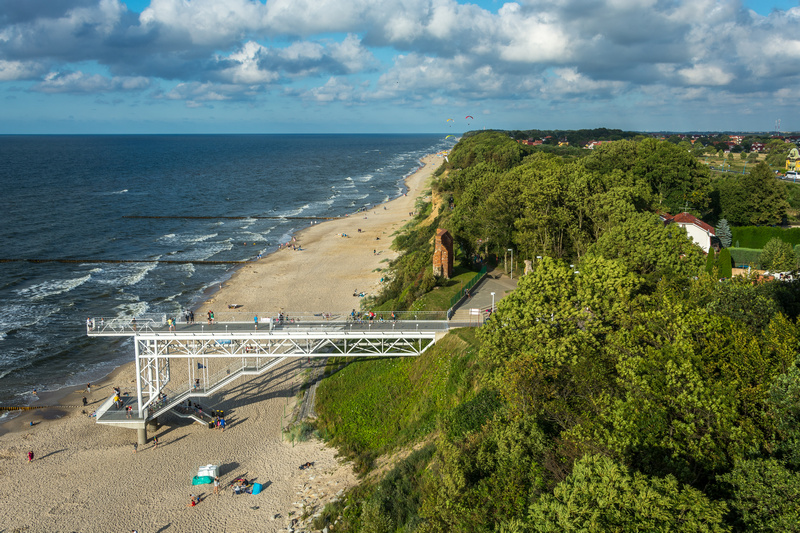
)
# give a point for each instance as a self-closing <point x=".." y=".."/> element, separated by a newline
<point x="443" y="254"/>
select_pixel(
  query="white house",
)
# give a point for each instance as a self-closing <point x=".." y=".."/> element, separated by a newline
<point x="700" y="232"/>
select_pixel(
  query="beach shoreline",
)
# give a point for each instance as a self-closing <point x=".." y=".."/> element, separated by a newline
<point x="68" y="396"/>
<point x="343" y="257"/>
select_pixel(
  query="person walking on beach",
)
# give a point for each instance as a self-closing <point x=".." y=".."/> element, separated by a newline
<point x="85" y="401"/>
<point x="89" y="388"/>
<point x="30" y="456"/>
<point x="155" y="442"/>
<point x="216" y="485"/>
<point x="135" y="447"/>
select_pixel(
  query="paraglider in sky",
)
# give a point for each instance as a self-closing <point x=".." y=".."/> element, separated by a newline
<point x="449" y="120"/>
<point x="449" y="137"/>
<point x="470" y="116"/>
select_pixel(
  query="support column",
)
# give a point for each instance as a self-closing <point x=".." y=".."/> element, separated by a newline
<point x="141" y="434"/>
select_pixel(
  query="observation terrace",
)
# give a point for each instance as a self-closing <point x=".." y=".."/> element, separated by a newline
<point x="237" y="344"/>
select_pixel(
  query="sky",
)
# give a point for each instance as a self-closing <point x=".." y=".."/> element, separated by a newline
<point x="397" y="66"/>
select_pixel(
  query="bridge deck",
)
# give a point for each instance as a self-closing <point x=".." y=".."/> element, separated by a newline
<point x="151" y="328"/>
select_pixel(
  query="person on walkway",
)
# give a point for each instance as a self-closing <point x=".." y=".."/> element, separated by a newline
<point x="197" y="383"/>
<point x="30" y="456"/>
<point x="255" y="321"/>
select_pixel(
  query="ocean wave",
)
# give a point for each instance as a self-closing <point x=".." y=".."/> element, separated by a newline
<point x="127" y="274"/>
<point x="134" y="308"/>
<point x="167" y="237"/>
<point x="199" y="238"/>
<point x="250" y="236"/>
<point x="365" y="178"/>
<point x="247" y="222"/>
<point x="295" y="212"/>
<point x="202" y="253"/>
<point x="52" y="288"/>
<point x="20" y="316"/>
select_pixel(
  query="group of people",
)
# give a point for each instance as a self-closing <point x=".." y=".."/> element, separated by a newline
<point x="188" y="316"/>
<point x="118" y="403"/>
<point x="90" y="323"/>
<point x="210" y="317"/>
<point x="359" y="317"/>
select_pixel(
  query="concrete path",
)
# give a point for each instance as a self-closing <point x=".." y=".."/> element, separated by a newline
<point x="497" y="282"/>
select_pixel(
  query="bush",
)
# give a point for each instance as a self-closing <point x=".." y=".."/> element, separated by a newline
<point x="778" y="256"/>
<point x="759" y="236"/>
<point x="725" y="266"/>
<point x="746" y="256"/>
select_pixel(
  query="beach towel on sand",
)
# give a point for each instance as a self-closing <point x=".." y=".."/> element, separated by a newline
<point x="256" y="488"/>
<point x="202" y="480"/>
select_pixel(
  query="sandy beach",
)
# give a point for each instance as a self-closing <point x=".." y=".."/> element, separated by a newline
<point x="86" y="477"/>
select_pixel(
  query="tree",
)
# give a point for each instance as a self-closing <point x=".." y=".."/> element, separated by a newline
<point x="600" y="495"/>
<point x="755" y="199"/>
<point x="650" y="249"/>
<point x="711" y="261"/>
<point x="725" y="266"/>
<point x="778" y="256"/>
<point x="724" y="233"/>
<point x="753" y="157"/>
<point x="765" y="495"/>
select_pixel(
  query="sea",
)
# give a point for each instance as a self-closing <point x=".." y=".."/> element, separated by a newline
<point x="83" y="199"/>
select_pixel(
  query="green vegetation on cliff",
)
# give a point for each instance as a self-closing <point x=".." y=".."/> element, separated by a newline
<point x="620" y="387"/>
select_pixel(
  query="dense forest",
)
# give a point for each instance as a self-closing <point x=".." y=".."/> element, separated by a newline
<point x="620" y="387"/>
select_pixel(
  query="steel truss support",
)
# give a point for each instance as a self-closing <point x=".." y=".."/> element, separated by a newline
<point x="152" y="371"/>
<point x="298" y="345"/>
<point x="154" y="351"/>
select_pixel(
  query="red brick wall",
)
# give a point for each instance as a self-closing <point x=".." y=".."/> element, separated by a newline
<point x="443" y="254"/>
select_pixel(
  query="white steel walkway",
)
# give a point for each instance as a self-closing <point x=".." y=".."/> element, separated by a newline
<point x="217" y="354"/>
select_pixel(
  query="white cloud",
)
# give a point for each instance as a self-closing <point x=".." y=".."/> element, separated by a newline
<point x="20" y="70"/>
<point x="245" y="68"/>
<point x="404" y="51"/>
<point x="333" y="90"/>
<point x="79" y="82"/>
<point x="705" y="75"/>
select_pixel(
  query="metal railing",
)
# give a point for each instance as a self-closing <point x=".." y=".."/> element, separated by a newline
<point x="157" y="323"/>
<point x="465" y="290"/>
<point x="176" y="396"/>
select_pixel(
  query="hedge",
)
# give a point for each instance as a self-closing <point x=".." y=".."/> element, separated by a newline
<point x="746" y="256"/>
<point x="758" y="236"/>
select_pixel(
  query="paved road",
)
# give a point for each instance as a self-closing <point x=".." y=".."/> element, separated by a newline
<point x="496" y="282"/>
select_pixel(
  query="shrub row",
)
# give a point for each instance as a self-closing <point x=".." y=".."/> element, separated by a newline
<point x="758" y="236"/>
<point x="746" y="256"/>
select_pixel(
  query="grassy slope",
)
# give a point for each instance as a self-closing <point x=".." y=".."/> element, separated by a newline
<point x="375" y="405"/>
